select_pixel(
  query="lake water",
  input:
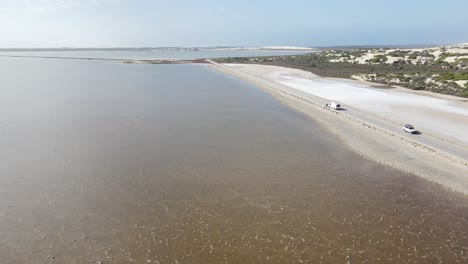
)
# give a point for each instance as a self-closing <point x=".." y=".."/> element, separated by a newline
<point x="120" y="163"/>
<point x="157" y="54"/>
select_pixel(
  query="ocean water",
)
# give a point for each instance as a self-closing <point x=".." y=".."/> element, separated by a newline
<point x="170" y="54"/>
<point x="121" y="163"/>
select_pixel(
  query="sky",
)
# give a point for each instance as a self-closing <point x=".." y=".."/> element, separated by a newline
<point x="158" y="23"/>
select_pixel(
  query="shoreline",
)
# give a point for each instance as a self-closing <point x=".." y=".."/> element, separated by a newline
<point x="367" y="139"/>
<point x="322" y="73"/>
<point x="295" y="80"/>
<point x="126" y="61"/>
<point x="167" y="61"/>
<point x="359" y="135"/>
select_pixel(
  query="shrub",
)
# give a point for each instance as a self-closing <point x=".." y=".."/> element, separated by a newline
<point x="463" y="61"/>
<point x="379" y="59"/>
<point x="452" y="76"/>
<point x="461" y="77"/>
<point x="445" y="76"/>
<point x="442" y="57"/>
<point x="398" y="53"/>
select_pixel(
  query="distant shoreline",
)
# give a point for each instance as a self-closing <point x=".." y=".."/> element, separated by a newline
<point x="127" y="61"/>
<point x="56" y="57"/>
<point x="167" y="61"/>
<point x="220" y="48"/>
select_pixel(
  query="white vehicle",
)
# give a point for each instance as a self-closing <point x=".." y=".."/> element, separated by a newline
<point x="335" y="106"/>
<point x="409" y="129"/>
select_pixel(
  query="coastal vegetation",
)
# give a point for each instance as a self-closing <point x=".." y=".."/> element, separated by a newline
<point x="439" y="69"/>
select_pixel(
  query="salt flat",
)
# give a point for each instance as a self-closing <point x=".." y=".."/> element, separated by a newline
<point x="443" y="115"/>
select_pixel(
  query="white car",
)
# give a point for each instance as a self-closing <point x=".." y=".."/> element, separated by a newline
<point x="335" y="106"/>
<point x="409" y="129"/>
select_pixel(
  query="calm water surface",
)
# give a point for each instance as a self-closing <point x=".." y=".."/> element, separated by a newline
<point x="161" y="164"/>
<point x="175" y="54"/>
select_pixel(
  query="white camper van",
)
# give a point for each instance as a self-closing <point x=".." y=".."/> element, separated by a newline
<point x="335" y="105"/>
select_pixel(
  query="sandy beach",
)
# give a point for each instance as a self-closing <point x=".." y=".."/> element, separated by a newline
<point x="371" y="123"/>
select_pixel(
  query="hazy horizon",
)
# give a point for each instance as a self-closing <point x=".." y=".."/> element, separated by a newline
<point x="183" y="23"/>
<point x="219" y="46"/>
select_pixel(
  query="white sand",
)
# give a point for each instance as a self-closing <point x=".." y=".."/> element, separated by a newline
<point x="460" y="50"/>
<point x="444" y="116"/>
<point x="457" y="50"/>
<point x="455" y="58"/>
<point x="461" y="83"/>
<point x="368" y="56"/>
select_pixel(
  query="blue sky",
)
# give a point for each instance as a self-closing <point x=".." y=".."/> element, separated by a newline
<point x="131" y="23"/>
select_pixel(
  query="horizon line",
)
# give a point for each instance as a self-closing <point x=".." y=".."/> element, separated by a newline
<point x="228" y="46"/>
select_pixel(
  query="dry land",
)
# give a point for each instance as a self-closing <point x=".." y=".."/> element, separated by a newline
<point x="431" y="155"/>
<point x="438" y="69"/>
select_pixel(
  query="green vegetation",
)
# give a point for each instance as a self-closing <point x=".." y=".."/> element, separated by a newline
<point x="399" y="53"/>
<point x="424" y="54"/>
<point x="428" y="74"/>
<point x="452" y="76"/>
<point x="379" y="59"/>
<point x="465" y="90"/>
<point x="463" y="62"/>
<point x="357" y="52"/>
<point x="442" y="57"/>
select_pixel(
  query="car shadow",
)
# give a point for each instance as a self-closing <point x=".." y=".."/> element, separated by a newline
<point x="417" y="133"/>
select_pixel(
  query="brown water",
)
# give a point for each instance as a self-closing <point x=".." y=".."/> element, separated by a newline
<point x="177" y="164"/>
